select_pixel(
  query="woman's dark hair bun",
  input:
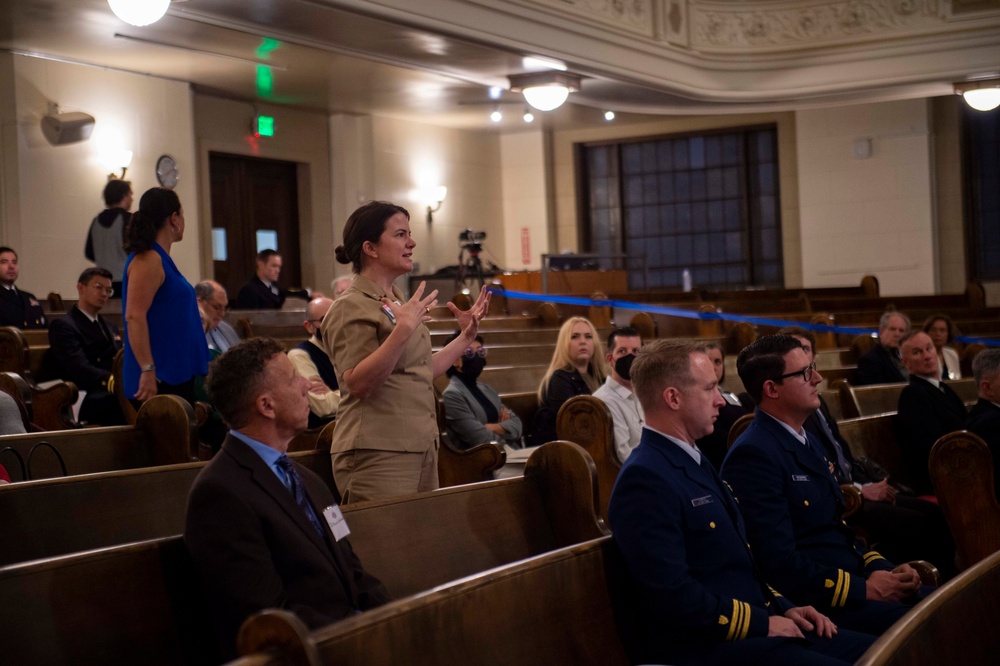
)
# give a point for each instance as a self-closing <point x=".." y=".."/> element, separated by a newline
<point x="341" y="254"/>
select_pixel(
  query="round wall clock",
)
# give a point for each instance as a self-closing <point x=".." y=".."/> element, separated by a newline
<point x="166" y="171"/>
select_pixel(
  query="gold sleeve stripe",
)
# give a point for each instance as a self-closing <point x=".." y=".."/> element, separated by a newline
<point x="745" y="621"/>
<point x="841" y="589"/>
<point x="732" y="624"/>
<point x="871" y="556"/>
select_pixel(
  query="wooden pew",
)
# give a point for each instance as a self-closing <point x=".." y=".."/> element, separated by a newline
<point x="50" y="408"/>
<point x="881" y="398"/>
<point x="504" y="379"/>
<point x="587" y="421"/>
<point x="874" y="437"/>
<point x="961" y="468"/>
<point x="71" y="514"/>
<point x="552" y="609"/>
<point x="163" y="435"/>
<point x="143" y="603"/>
<point x="955" y="625"/>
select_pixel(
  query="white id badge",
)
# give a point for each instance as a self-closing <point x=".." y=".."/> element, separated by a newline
<point x="335" y="519"/>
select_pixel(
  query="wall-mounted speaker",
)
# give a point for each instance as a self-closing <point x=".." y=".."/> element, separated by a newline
<point x="62" y="128"/>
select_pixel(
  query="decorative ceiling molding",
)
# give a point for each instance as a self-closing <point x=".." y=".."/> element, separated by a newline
<point x="630" y="17"/>
<point x="718" y="26"/>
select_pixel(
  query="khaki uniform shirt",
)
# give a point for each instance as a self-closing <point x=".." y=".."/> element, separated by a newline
<point x="400" y="415"/>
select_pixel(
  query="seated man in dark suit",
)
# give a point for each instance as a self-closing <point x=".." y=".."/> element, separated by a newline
<point x="213" y="303"/>
<point x="262" y="292"/>
<point x="263" y="531"/>
<point x="928" y="408"/>
<point x="793" y="505"/>
<point x="882" y="364"/>
<point x="17" y="308"/>
<point x="984" y="417"/>
<point x="82" y="348"/>
<point x="902" y="528"/>
<point x="701" y="599"/>
<point x="312" y="362"/>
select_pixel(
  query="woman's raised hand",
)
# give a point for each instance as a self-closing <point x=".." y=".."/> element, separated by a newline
<point x="415" y="311"/>
<point x="468" y="320"/>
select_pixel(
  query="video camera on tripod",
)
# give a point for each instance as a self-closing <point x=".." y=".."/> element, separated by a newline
<point x="471" y="240"/>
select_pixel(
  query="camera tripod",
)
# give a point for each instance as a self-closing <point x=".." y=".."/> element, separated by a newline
<point x="470" y="269"/>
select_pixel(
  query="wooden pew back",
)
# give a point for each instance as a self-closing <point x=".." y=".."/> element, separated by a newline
<point x="551" y="609"/>
<point x="67" y="515"/>
<point x="142" y="602"/>
<point x="882" y="398"/>
<point x="961" y="468"/>
<point x="162" y="435"/>
<point x="587" y="421"/>
<point x="955" y="625"/>
<point x="875" y="437"/>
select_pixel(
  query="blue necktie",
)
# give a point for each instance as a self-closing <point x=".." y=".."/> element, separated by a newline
<point x="298" y="492"/>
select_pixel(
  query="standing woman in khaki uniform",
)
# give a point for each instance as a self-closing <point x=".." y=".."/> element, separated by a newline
<point x="386" y="438"/>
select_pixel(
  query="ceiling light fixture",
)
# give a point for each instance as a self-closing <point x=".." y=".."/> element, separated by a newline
<point x="981" y="95"/>
<point x="609" y="115"/>
<point x="496" y="116"/>
<point x="139" y="12"/>
<point x="528" y="116"/>
<point x="545" y="91"/>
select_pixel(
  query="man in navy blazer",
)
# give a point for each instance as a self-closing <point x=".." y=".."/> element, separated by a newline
<point x="928" y="408"/>
<point x="984" y="417"/>
<point x="82" y="348"/>
<point x="882" y="364"/>
<point x="683" y="542"/>
<point x="793" y="505"/>
<point x="265" y="532"/>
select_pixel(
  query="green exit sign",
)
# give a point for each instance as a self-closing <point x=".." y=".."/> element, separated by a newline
<point x="265" y="126"/>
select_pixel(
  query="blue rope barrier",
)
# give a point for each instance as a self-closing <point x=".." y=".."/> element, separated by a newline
<point x="691" y="314"/>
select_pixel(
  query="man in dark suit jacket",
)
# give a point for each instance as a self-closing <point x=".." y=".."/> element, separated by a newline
<point x="262" y="291"/>
<point x="263" y="531"/>
<point x="928" y="408"/>
<point x="793" y="505"/>
<point x="984" y="417"/>
<point x="82" y="348"/>
<point x="17" y="308"/>
<point x="682" y="538"/>
<point x="882" y="365"/>
<point x="902" y="528"/>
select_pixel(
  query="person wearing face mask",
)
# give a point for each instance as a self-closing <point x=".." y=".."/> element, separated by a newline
<point x="473" y="412"/>
<point x="616" y="392"/>
<point x="715" y="444"/>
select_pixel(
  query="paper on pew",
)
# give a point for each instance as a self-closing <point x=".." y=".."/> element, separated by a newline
<point x="516" y="458"/>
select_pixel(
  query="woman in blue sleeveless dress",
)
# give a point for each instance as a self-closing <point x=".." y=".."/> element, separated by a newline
<point x="165" y="346"/>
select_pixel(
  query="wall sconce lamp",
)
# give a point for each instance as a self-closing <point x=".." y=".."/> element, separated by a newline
<point x="983" y="95"/>
<point x="547" y="90"/>
<point x="139" y="12"/>
<point x="434" y="196"/>
<point x="120" y="159"/>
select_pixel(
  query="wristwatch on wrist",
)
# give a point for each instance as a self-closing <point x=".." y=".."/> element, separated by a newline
<point x="148" y="368"/>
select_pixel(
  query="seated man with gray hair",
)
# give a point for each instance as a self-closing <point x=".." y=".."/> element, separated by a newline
<point x="213" y="303"/>
<point x="984" y="417"/>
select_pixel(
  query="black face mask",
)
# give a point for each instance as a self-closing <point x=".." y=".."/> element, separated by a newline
<point x="473" y="367"/>
<point x="623" y="366"/>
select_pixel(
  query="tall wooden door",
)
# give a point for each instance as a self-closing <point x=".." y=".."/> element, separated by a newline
<point x="254" y="208"/>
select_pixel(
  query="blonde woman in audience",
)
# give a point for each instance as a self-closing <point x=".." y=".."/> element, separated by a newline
<point x="942" y="331"/>
<point x="386" y="439"/>
<point x="577" y="368"/>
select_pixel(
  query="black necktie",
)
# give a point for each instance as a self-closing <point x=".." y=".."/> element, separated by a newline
<point x="298" y="492"/>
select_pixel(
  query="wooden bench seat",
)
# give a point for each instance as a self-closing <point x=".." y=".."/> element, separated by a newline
<point x="874" y="437"/>
<point x="551" y="609"/>
<point x="504" y="379"/>
<point x="49" y="408"/>
<point x="954" y="625"/>
<point x="587" y="421"/>
<point x="142" y="602"/>
<point x="163" y="435"/>
<point x="881" y="398"/>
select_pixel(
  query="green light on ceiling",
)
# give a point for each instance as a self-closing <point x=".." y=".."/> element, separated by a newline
<point x="266" y="46"/>
<point x="265" y="81"/>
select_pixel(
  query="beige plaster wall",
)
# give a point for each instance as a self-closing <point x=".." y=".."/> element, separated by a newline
<point x="525" y="199"/>
<point x="58" y="188"/>
<point x="868" y="216"/>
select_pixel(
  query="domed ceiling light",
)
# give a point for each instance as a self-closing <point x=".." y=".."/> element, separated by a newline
<point x="980" y="95"/>
<point x="139" y="12"/>
<point x="545" y="91"/>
